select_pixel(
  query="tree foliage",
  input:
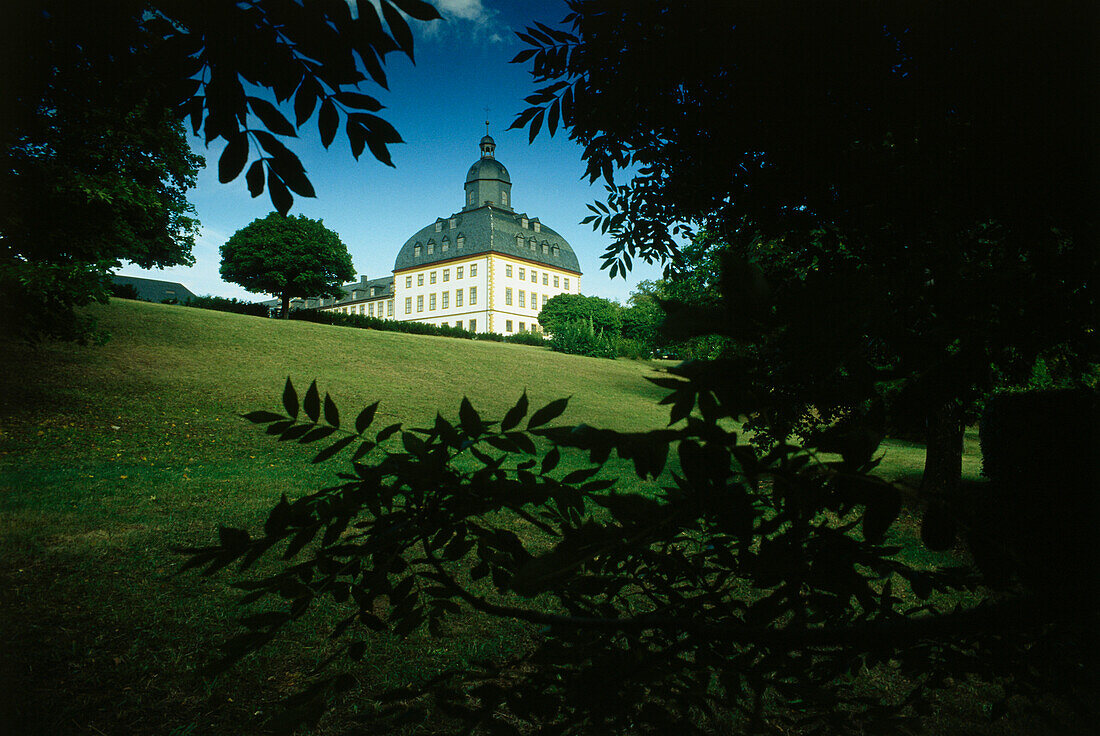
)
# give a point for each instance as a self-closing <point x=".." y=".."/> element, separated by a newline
<point x="737" y="591"/>
<point x="605" y="315"/>
<point x="287" y="257"/>
<point x="94" y="162"/>
<point x="920" y="203"/>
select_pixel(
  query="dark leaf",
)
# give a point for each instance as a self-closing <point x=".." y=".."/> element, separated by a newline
<point x="363" y="421"/>
<point x="358" y="101"/>
<point x="469" y="419"/>
<point x="280" y="196"/>
<point x="312" y="402"/>
<point x="550" y="461"/>
<point x="233" y="158"/>
<point x="399" y="29"/>
<point x="272" y="119"/>
<point x="327" y="122"/>
<point x="290" y="399"/>
<point x="515" y="414"/>
<point x="305" y="101"/>
<point x="262" y="417"/>
<point x="317" y="433"/>
<point x="418" y="9"/>
<point x="255" y="178"/>
<point x="334" y="448"/>
<point x="547" y="413"/>
<point x="332" y="415"/>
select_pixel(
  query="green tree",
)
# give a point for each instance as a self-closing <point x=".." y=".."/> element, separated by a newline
<point x="287" y="257"/>
<point x="918" y="204"/>
<point x="605" y="315"/>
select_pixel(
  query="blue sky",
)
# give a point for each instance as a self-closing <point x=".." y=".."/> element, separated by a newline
<point x="438" y="107"/>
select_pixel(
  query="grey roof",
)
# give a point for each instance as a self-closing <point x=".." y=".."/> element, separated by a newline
<point x="488" y="229"/>
<point x="383" y="288"/>
<point x="488" y="168"/>
<point x="155" y="290"/>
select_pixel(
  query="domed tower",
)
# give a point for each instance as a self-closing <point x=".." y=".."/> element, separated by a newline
<point x="485" y="267"/>
<point x="487" y="181"/>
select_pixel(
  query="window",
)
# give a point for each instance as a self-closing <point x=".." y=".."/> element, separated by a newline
<point x="555" y="251"/>
<point x="370" y="311"/>
<point x="508" y="297"/>
<point x="446" y="299"/>
<point x="452" y="223"/>
<point x="420" y="303"/>
<point x="473" y="325"/>
<point x="442" y="324"/>
<point x="555" y="280"/>
<point x="538" y="226"/>
<point x="508" y="270"/>
<point x="545" y="248"/>
<point x="523" y="221"/>
<point x="408" y="282"/>
<point x="438" y="227"/>
<point x="504" y="197"/>
<point x="507" y="325"/>
<point x="460" y="241"/>
<point x="446" y="274"/>
<point x="408" y="305"/>
<point x="420" y="279"/>
<point x="470" y="197"/>
<point x="544" y="278"/>
<point x="534" y="276"/>
<point x="522" y="275"/>
<point x="431" y="278"/>
<point x="473" y="270"/>
<point x="389" y="308"/>
<point x="544" y="300"/>
<point x="431" y="247"/>
<point x="567" y="284"/>
<point x="522" y="326"/>
<point x="531" y="243"/>
<point x="431" y="302"/>
<point x="521" y="300"/>
<point x="362" y="307"/>
<point x="416" y="250"/>
<point x="458" y="297"/>
<point x="473" y="295"/>
<point x="458" y="272"/>
<point x="519" y="240"/>
<point x="444" y="245"/>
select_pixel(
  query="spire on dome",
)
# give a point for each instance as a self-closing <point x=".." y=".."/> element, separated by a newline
<point x="488" y="145"/>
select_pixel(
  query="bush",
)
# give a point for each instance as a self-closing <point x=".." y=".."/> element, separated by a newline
<point x="523" y="337"/>
<point x="123" y="291"/>
<point x="235" y="306"/>
<point x="626" y="347"/>
<point x="489" y="336"/>
<point x="362" y="321"/>
<point x="581" y="338"/>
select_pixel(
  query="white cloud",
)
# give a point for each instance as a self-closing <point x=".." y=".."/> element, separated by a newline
<point x="466" y="17"/>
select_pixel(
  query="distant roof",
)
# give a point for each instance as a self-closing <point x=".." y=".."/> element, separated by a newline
<point x="383" y="287"/>
<point x="155" y="290"/>
<point x="488" y="229"/>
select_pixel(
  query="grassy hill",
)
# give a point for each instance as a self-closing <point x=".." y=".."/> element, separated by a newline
<point x="110" y="455"/>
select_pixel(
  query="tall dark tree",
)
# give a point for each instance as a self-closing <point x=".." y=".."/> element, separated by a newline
<point x="287" y="257"/>
<point x="916" y="181"/>
<point x="93" y="163"/>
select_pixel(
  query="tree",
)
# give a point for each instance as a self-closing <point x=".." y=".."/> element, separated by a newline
<point x="287" y="257"/>
<point x="918" y="204"/>
<point x="605" y="315"/>
<point x="93" y="164"/>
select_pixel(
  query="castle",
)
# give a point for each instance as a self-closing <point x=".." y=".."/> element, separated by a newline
<point x="485" y="268"/>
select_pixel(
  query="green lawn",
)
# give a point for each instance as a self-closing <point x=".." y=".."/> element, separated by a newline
<point x="110" y="455"/>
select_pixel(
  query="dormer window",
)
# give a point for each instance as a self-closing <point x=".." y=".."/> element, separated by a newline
<point x="519" y="241"/>
<point x="531" y="242"/>
<point x="523" y="221"/>
<point x="416" y="250"/>
<point x="431" y="247"/>
<point x="452" y="223"/>
<point x="438" y="225"/>
<point x="555" y="250"/>
<point x="444" y="245"/>
<point x="545" y="248"/>
<point x="460" y="241"/>
<point x="538" y="226"/>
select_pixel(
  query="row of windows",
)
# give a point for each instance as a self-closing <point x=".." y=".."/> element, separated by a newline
<point x="534" y="276"/>
<point x="460" y="243"/>
<point x="534" y="223"/>
<point x="471" y="197"/>
<point x="522" y="326"/>
<point x="459" y="270"/>
<point x="444" y="302"/>
<point x="383" y="309"/>
<point x="521" y="298"/>
<point x="458" y="324"/>
<point x="451" y="223"/>
<point x="547" y="248"/>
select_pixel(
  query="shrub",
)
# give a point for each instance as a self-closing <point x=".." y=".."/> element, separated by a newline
<point x="489" y="336"/>
<point x="362" y="321"/>
<point x="123" y="291"/>
<point x="523" y="337"/>
<point x="626" y="347"/>
<point x="581" y="338"/>
<point x="236" y="306"/>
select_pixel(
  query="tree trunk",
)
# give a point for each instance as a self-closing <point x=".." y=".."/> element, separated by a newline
<point x="285" y="312"/>
<point x="944" y="443"/>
